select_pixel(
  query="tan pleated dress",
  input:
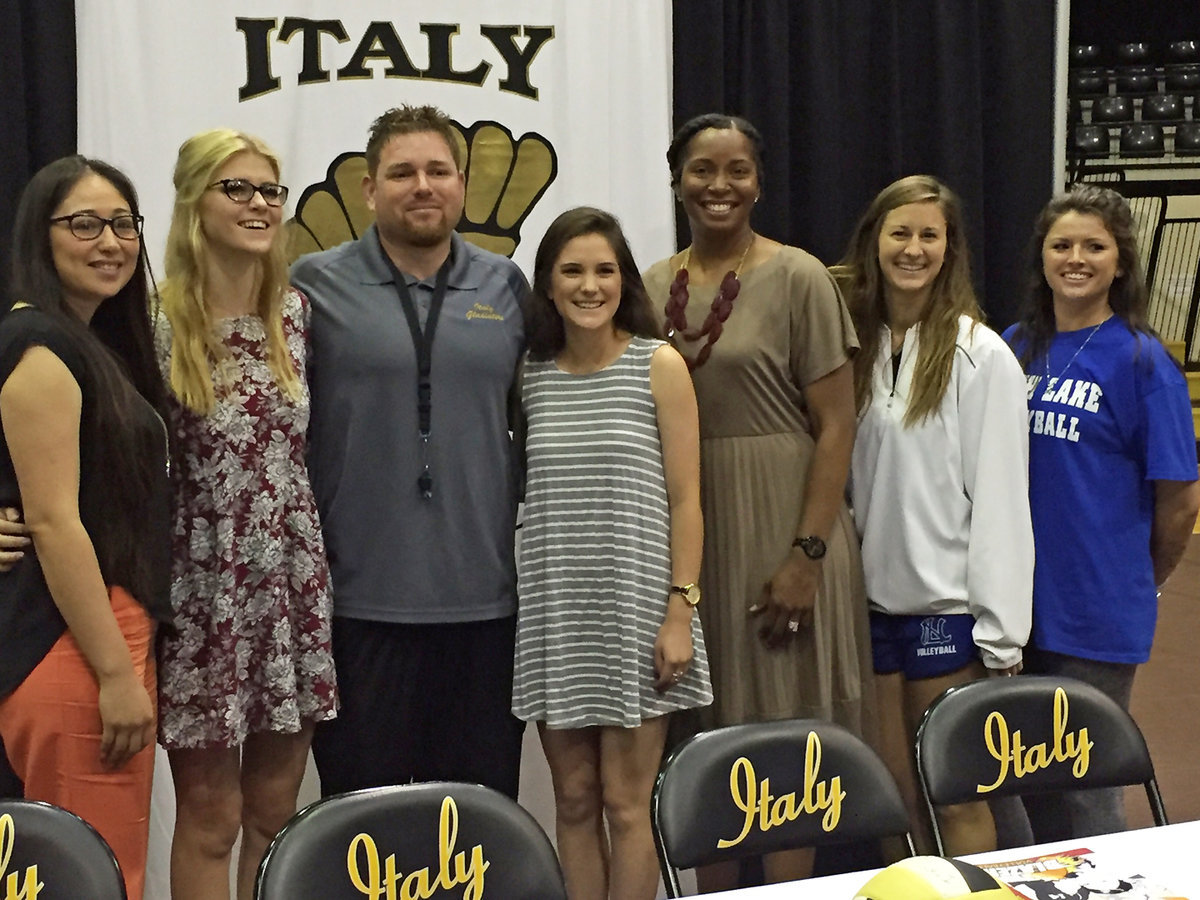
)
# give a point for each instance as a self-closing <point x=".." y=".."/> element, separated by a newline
<point x="789" y="327"/>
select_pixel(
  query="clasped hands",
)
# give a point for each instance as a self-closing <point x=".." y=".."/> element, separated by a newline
<point x="788" y="601"/>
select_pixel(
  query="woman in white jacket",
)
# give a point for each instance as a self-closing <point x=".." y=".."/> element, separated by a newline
<point x="939" y="477"/>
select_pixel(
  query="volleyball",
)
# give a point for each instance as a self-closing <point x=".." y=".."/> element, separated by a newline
<point x="934" y="878"/>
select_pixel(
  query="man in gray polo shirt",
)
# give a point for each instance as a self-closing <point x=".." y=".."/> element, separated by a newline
<point x="414" y="474"/>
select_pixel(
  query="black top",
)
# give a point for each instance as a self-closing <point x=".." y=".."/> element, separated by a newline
<point x="30" y="622"/>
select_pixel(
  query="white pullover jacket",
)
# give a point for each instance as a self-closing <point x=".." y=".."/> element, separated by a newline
<point x="942" y="506"/>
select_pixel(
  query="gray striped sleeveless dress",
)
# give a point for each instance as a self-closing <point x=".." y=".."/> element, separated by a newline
<point x="595" y="565"/>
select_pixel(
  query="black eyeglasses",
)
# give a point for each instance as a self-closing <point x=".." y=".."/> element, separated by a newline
<point x="239" y="190"/>
<point x="88" y="226"/>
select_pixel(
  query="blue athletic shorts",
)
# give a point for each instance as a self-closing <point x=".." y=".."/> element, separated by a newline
<point x="922" y="646"/>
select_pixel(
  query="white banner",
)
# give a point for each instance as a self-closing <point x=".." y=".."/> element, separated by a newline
<point x="560" y="103"/>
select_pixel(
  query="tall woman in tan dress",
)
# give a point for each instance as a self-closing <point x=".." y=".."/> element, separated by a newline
<point x="770" y="342"/>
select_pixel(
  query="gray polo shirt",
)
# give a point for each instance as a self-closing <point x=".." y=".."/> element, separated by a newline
<point x="395" y="556"/>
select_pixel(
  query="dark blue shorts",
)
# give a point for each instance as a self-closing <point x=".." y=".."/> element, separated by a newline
<point x="922" y="646"/>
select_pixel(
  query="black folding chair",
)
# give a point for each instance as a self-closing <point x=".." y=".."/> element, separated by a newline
<point x="438" y="836"/>
<point x="999" y="737"/>
<point x="49" y="846"/>
<point x="752" y="789"/>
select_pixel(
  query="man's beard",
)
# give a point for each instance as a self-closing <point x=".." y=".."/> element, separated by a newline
<point x="420" y="235"/>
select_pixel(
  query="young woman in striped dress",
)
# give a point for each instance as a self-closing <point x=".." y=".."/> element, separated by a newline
<point x="607" y="639"/>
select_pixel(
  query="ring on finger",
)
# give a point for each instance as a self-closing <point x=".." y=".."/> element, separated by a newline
<point x="793" y="625"/>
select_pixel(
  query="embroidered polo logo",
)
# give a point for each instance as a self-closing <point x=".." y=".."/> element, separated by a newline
<point x="484" y="311"/>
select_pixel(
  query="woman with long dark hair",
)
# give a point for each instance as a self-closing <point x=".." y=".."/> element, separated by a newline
<point x="84" y="456"/>
<point x="1112" y="466"/>
<point x="607" y="643"/>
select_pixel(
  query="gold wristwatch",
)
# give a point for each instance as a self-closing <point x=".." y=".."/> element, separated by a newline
<point x="689" y="592"/>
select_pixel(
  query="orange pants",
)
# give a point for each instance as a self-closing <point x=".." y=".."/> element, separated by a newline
<point x="51" y="730"/>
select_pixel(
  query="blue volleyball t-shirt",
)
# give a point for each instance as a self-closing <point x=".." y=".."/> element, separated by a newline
<point x="1109" y="415"/>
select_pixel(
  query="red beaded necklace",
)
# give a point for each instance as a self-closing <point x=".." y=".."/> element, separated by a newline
<point x="714" y="322"/>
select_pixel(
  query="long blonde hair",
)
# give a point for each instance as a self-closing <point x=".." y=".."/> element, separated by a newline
<point x="195" y="350"/>
<point x="952" y="296"/>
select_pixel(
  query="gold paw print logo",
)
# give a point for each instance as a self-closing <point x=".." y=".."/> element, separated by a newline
<point x="505" y="179"/>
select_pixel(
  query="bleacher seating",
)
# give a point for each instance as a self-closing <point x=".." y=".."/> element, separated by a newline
<point x="1134" y="123"/>
<point x="1117" y="108"/>
<point x="1133" y="84"/>
<point x="1162" y="108"/>
<point x="1142" y="139"/>
<point x="1187" y="138"/>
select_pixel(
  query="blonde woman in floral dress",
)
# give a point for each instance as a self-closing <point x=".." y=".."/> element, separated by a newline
<point x="249" y="670"/>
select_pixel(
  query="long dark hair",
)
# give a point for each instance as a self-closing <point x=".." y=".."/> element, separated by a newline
<point x="950" y="296"/>
<point x="118" y="353"/>
<point x="635" y="314"/>
<point x="1128" y="295"/>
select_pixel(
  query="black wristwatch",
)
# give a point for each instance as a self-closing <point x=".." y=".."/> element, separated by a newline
<point x="813" y="547"/>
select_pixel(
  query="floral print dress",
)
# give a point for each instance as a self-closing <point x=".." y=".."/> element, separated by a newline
<point x="250" y="582"/>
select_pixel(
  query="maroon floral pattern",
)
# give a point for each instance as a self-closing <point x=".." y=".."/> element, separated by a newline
<point x="250" y="583"/>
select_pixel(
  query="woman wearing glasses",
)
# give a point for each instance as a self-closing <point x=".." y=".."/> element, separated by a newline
<point x="83" y="454"/>
<point x="248" y="671"/>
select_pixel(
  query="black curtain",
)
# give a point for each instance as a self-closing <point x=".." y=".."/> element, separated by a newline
<point x="37" y="99"/>
<point x="38" y="121"/>
<point x="852" y="94"/>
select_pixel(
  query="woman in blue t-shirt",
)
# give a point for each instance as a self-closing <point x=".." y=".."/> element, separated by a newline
<point x="1113" y="490"/>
